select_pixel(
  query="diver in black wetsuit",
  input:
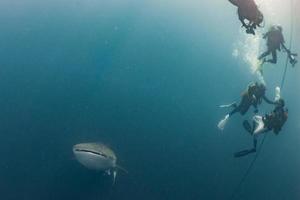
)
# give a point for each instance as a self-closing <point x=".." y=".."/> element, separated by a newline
<point x="263" y="124"/>
<point x="247" y="9"/>
<point x="275" y="41"/>
<point x="253" y="96"/>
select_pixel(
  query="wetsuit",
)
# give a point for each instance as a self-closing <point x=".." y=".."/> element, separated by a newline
<point x="273" y="121"/>
<point x="253" y="96"/>
<point x="274" y="42"/>
<point x="247" y="9"/>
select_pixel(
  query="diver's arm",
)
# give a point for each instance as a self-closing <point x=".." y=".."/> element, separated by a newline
<point x="268" y="100"/>
<point x="284" y="47"/>
<point x="242" y="20"/>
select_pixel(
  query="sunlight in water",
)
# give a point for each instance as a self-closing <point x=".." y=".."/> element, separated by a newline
<point x="248" y="49"/>
<point x="248" y="46"/>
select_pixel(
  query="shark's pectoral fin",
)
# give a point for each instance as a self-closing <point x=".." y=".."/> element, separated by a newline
<point x="121" y="169"/>
<point x="112" y="172"/>
<point x="114" y="176"/>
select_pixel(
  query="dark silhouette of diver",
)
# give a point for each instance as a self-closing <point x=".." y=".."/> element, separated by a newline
<point x="273" y="121"/>
<point x="253" y="96"/>
<point x="275" y="41"/>
<point x="247" y="9"/>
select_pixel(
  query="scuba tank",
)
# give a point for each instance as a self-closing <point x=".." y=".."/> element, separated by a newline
<point x="277" y="93"/>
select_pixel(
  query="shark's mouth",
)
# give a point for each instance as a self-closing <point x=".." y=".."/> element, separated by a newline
<point x="93" y="152"/>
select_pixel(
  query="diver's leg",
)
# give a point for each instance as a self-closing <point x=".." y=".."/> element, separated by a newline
<point x="243" y="106"/>
<point x="264" y="54"/>
<point x="254" y="125"/>
<point x="274" y="57"/>
<point x="247" y="127"/>
<point x="233" y="111"/>
<point x="274" y="54"/>
<point x="254" y="142"/>
<point x="237" y="108"/>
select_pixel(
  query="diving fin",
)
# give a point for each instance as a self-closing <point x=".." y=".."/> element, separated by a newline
<point x="247" y="126"/>
<point x="223" y="122"/>
<point x="244" y="153"/>
<point x="229" y="105"/>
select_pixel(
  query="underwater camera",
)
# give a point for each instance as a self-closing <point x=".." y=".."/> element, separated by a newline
<point x="250" y="30"/>
<point x="292" y="58"/>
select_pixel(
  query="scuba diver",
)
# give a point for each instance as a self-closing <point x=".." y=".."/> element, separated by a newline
<point x="273" y="121"/>
<point x="247" y="9"/>
<point x="253" y="96"/>
<point x="275" y="41"/>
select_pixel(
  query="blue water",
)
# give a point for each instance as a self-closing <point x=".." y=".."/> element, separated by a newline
<point x="145" y="78"/>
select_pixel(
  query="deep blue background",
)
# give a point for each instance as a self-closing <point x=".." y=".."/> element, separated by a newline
<point x="146" y="78"/>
